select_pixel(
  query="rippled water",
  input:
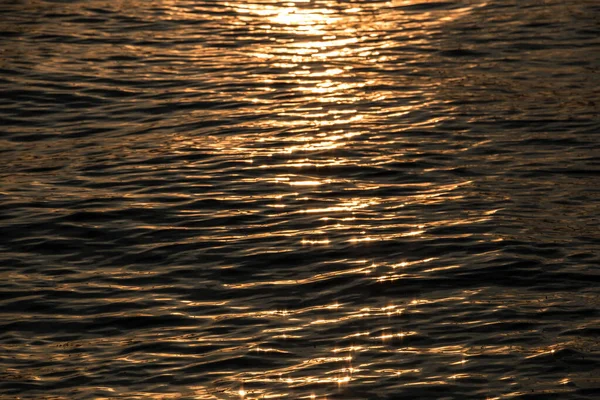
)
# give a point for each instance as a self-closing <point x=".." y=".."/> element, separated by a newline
<point x="312" y="200"/>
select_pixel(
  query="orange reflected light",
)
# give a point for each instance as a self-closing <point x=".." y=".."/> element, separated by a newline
<point x="306" y="183"/>
<point x="386" y="336"/>
<point x="305" y="20"/>
<point x="323" y="241"/>
<point x="343" y="380"/>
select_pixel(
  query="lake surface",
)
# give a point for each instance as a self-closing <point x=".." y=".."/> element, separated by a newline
<point x="318" y="199"/>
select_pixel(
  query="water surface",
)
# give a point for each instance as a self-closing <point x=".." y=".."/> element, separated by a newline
<point x="306" y="200"/>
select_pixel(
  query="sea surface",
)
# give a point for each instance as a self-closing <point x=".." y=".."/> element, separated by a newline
<point x="313" y="199"/>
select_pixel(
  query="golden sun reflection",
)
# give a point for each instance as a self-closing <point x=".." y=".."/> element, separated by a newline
<point x="290" y="16"/>
<point x="319" y="81"/>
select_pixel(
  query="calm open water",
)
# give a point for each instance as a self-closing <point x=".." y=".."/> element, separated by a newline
<point x="318" y="199"/>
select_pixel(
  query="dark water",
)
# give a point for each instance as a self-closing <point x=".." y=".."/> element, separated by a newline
<point x="311" y="200"/>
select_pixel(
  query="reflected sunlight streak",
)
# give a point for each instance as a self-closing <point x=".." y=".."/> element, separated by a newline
<point x="319" y="66"/>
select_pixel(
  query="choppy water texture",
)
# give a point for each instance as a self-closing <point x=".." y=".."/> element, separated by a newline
<point x="309" y="200"/>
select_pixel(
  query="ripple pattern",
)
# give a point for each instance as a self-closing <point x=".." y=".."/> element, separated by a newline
<point x="320" y="199"/>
